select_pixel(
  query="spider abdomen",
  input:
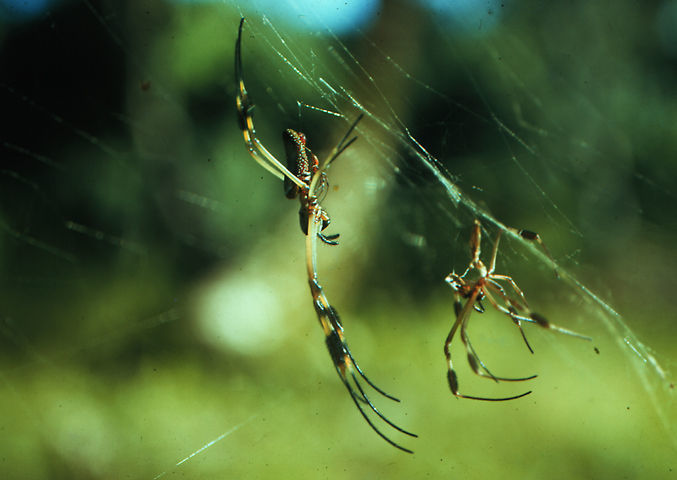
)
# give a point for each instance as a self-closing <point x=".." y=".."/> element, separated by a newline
<point x="297" y="161"/>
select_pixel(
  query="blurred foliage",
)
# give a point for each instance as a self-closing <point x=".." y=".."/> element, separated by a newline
<point x="130" y="210"/>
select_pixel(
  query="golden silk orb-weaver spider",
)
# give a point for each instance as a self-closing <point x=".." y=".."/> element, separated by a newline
<point x="480" y="282"/>
<point x="305" y="177"/>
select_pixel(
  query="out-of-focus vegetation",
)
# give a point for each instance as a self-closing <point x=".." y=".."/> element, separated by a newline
<point x="154" y="296"/>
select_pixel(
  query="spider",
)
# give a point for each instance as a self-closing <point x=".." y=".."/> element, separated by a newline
<point x="479" y="283"/>
<point x="305" y="177"/>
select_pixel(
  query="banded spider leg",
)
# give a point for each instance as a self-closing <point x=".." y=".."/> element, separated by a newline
<point x="346" y="366"/>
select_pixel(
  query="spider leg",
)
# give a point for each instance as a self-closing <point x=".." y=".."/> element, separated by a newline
<point x="475" y="244"/>
<point x="476" y="363"/>
<point x="244" y="108"/>
<point x="328" y="239"/>
<point x="511" y="282"/>
<point x="480" y="368"/>
<point x="307" y="207"/>
<point x="343" y="360"/>
<point x="336" y="151"/>
<point x="334" y="324"/>
<point x="513" y="305"/>
<point x="346" y="366"/>
<point x="479" y="308"/>
<point x="542" y="322"/>
<point x="369" y="382"/>
<point x="344" y="142"/>
<point x="356" y="400"/>
<point x="517" y="321"/>
<point x="530" y="236"/>
<point x="511" y="311"/>
<point x="462" y="315"/>
<point x="363" y="398"/>
<point x="494" y="251"/>
<point x="530" y="317"/>
<point x="527" y="235"/>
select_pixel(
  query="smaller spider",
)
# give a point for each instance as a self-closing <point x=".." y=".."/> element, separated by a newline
<point x="478" y="283"/>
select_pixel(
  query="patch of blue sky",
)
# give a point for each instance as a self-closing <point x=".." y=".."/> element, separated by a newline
<point x="467" y="16"/>
<point x="338" y="16"/>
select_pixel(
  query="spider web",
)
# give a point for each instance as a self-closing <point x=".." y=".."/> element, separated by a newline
<point x="156" y="315"/>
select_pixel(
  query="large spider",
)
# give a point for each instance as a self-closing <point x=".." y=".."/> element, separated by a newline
<point x="478" y="283"/>
<point x="305" y="176"/>
<point x="302" y="176"/>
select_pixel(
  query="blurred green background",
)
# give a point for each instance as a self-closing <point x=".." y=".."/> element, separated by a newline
<point x="154" y="296"/>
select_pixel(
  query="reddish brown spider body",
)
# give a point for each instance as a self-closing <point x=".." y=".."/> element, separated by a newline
<point x="485" y="284"/>
<point x="305" y="177"/>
